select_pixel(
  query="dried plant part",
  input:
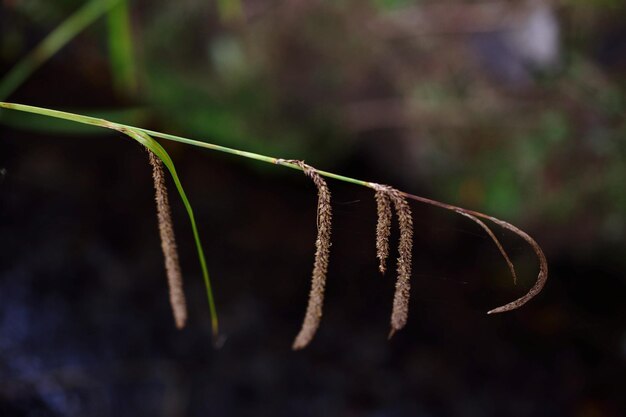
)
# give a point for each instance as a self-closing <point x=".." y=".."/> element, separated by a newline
<point x="313" y="313"/>
<point x="383" y="227"/>
<point x="168" y="243"/>
<point x="400" y="310"/>
<point x="495" y="240"/>
<point x="542" y="276"/>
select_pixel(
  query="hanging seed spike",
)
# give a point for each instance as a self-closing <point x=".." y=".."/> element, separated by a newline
<point x="383" y="226"/>
<point x="400" y="310"/>
<point x="313" y="313"/>
<point x="168" y="243"/>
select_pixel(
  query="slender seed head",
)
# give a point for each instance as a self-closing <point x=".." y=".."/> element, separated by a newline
<point x="400" y="310"/>
<point x="313" y="313"/>
<point x="383" y="227"/>
<point x="168" y="243"/>
<point x="403" y="285"/>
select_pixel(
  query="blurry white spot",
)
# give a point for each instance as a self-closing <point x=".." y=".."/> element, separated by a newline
<point x="536" y="37"/>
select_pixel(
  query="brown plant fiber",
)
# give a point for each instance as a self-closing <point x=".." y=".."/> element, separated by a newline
<point x="495" y="240"/>
<point x="313" y="313"/>
<point x="542" y="276"/>
<point x="168" y="243"/>
<point x="383" y="227"/>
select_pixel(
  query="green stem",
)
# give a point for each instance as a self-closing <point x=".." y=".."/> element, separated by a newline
<point x="56" y="40"/>
<point x="118" y="126"/>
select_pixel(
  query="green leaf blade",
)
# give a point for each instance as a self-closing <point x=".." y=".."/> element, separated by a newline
<point x="159" y="151"/>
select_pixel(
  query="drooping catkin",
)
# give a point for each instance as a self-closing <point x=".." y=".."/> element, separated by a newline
<point x="313" y="313"/>
<point x="400" y="310"/>
<point x="383" y="227"/>
<point x="401" y="296"/>
<point x="168" y="243"/>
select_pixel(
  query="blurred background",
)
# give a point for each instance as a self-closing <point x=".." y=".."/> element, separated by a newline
<point x="513" y="108"/>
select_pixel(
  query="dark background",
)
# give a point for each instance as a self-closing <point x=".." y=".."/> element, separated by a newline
<point x="515" y="109"/>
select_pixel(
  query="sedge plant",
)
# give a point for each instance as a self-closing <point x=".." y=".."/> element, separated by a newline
<point x="389" y="201"/>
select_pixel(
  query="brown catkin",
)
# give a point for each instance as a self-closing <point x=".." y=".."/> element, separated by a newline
<point x="313" y="313"/>
<point x="168" y="243"/>
<point x="401" y="297"/>
<point x="383" y="227"/>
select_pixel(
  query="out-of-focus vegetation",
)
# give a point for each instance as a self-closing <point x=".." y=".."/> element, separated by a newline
<point x="514" y="108"/>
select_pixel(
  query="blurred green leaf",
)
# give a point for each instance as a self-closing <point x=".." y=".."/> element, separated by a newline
<point x="56" y="40"/>
<point x="122" y="61"/>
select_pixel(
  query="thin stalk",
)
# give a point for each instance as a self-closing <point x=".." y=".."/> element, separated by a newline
<point x="56" y="40"/>
<point x="117" y="126"/>
<point x="543" y="265"/>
